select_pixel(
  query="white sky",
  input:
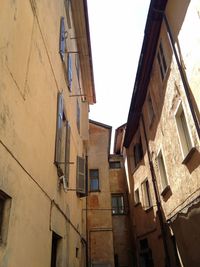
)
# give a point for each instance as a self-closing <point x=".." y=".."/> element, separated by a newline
<point x="116" y="32"/>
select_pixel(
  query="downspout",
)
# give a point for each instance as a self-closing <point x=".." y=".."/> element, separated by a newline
<point x="182" y="73"/>
<point x="158" y="203"/>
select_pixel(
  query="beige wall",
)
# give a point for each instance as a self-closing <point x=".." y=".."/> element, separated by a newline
<point x="100" y="230"/>
<point x="122" y="234"/>
<point x="31" y="75"/>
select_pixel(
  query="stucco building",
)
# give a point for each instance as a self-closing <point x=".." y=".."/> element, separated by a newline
<point x="108" y="224"/>
<point x="46" y="87"/>
<point x="162" y="138"/>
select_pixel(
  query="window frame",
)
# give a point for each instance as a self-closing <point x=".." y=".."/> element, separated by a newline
<point x="186" y="148"/>
<point x="81" y="176"/>
<point x="94" y="178"/>
<point x="164" y="180"/>
<point x="137" y="196"/>
<point x="146" y="194"/>
<point x="138" y="152"/>
<point x="6" y="202"/>
<point x="118" y="207"/>
<point x="115" y="166"/>
<point x="162" y="62"/>
<point x="150" y="109"/>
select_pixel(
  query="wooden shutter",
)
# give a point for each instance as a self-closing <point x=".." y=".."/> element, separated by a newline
<point x="62" y="47"/>
<point x="59" y="128"/>
<point x="80" y="176"/>
<point x="69" y="70"/>
<point x="67" y="152"/>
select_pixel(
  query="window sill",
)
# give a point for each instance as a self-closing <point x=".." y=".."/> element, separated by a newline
<point x="165" y="190"/>
<point x="95" y="191"/>
<point x="137" y="204"/>
<point x="149" y="209"/>
<point x="189" y="155"/>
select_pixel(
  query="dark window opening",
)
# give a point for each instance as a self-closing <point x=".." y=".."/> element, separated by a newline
<point x="138" y="152"/>
<point x="56" y="240"/>
<point x="115" y="164"/>
<point x="94" y="180"/>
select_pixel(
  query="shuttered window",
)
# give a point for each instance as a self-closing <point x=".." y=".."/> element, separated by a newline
<point x="65" y="56"/>
<point x="80" y="176"/>
<point x="69" y="70"/>
<point x="62" y="49"/>
<point x="62" y="147"/>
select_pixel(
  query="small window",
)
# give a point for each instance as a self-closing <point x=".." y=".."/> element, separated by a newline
<point x="81" y="186"/>
<point x="162" y="170"/>
<point x="78" y="112"/>
<point x="115" y="164"/>
<point x="5" y="205"/>
<point x="183" y="131"/>
<point x="146" y="194"/>
<point x="138" y="152"/>
<point x="137" y="196"/>
<point x="62" y="146"/>
<point x="151" y="113"/>
<point x="162" y="61"/>
<point x="118" y="204"/>
<point x="94" y="180"/>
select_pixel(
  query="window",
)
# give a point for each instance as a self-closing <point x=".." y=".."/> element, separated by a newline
<point x="65" y="56"/>
<point x="55" y="249"/>
<point x="62" y="147"/>
<point x="138" y="152"/>
<point x="183" y="131"/>
<point x="115" y="164"/>
<point x="162" y="61"/>
<point x="118" y="204"/>
<point x="78" y="116"/>
<point x="94" y="180"/>
<point x="151" y="113"/>
<point x="137" y="196"/>
<point x="67" y="9"/>
<point x="162" y="170"/>
<point x="81" y="182"/>
<point x="5" y="205"/>
<point x="146" y="194"/>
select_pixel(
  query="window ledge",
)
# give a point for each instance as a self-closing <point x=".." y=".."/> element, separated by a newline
<point x="189" y="155"/>
<point x="95" y="191"/>
<point x="165" y="190"/>
<point x="149" y="209"/>
<point x="137" y="204"/>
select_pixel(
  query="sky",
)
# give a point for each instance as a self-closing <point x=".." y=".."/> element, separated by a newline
<point x="116" y="33"/>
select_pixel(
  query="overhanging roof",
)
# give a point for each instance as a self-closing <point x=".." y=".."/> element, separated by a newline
<point x="81" y="24"/>
<point x="151" y="35"/>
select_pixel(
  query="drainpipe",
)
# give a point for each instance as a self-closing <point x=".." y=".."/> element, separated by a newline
<point x="158" y="203"/>
<point x="182" y="73"/>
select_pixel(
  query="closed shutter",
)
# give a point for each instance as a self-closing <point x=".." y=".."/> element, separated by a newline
<point x="59" y="128"/>
<point x="67" y="152"/>
<point x="69" y="70"/>
<point x="80" y="176"/>
<point x="62" y="47"/>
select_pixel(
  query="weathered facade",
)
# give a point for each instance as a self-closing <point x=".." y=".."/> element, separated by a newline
<point x="46" y="86"/>
<point x="108" y="224"/>
<point x="162" y="138"/>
